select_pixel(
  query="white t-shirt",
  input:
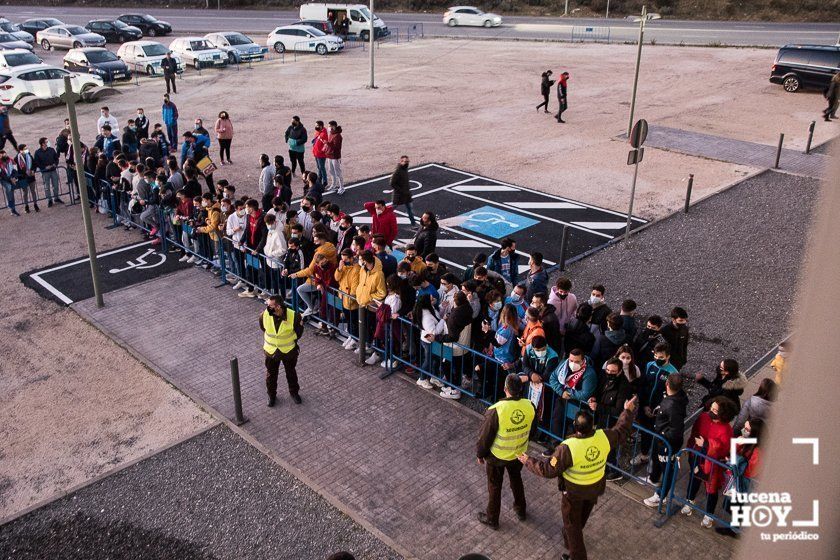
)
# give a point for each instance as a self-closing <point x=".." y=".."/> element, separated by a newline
<point x="393" y="301"/>
<point x="111" y="120"/>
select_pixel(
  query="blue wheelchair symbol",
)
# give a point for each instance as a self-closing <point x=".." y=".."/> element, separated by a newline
<point x="494" y="222"/>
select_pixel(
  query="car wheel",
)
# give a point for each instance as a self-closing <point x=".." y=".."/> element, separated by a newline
<point x="452" y="22"/>
<point x="488" y="23"/>
<point x="197" y="64"/>
<point x="231" y="58"/>
<point x="150" y="70"/>
<point x="279" y="47"/>
<point x="365" y="35"/>
<point x="791" y="84"/>
<point x="152" y="32"/>
<point x="321" y="49"/>
<point x="27" y="109"/>
<point x="77" y="45"/>
<point x="45" y="45"/>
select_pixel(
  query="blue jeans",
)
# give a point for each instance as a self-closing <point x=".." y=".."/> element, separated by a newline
<point x="9" y="189"/>
<point x="305" y="292"/>
<point x="410" y="214"/>
<point x="321" y="164"/>
<point x="172" y="133"/>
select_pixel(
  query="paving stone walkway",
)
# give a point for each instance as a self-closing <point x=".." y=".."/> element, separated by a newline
<point x="397" y="457"/>
<point x="735" y="151"/>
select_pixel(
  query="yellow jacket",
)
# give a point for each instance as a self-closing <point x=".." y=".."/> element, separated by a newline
<point x="214" y="217"/>
<point x="417" y="265"/>
<point x="371" y="284"/>
<point x="328" y="250"/>
<point x="779" y="365"/>
<point x="348" y="280"/>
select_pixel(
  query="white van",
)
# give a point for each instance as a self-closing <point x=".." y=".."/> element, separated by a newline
<point x="357" y="15"/>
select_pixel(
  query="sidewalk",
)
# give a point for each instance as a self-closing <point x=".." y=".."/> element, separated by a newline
<point x="396" y="456"/>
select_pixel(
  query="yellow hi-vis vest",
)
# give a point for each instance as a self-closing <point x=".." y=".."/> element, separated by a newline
<point x="282" y="339"/>
<point x="515" y="419"/>
<point x="589" y="458"/>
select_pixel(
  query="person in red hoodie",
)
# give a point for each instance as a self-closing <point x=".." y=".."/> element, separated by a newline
<point x="319" y="141"/>
<point x="710" y="436"/>
<point x="384" y="221"/>
<point x="333" y="152"/>
<point x="253" y="242"/>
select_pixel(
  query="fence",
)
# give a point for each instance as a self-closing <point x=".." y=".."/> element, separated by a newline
<point x="695" y="483"/>
<point x="595" y="34"/>
<point x="66" y="189"/>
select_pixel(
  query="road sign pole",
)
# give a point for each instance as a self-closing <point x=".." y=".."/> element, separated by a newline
<point x="371" y="85"/>
<point x="638" y="62"/>
<point x="632" y="196"/>
<point x="70" y="99"/>
<point x="566" y="12"/>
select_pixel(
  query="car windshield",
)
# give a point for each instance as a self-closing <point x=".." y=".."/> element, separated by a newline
<point x="316" y="32"/>
<point x="155" y="49"/>
<point x="76" y="30"/>
<point x="7" y="37"/>
<point x="148" y="19"/>
<point x="19" y="59"/>
<point x="51" y="22"/>
<point x="200" y="46"/>
<point x="9" y="26"/>
<point x="120" y="25"/>
<point x="95" y="57"/>
<point x="365" y="12"/>
<point x="238" y="39"/>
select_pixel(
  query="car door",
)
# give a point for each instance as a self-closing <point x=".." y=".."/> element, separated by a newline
<point x="72" y="61"/>
<point x="822" y="67"/>
<point x="36" y="82"/>
<point x="55" y="81"/>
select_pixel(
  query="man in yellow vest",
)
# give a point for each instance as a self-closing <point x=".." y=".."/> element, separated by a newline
<point x="281" y="330"/>
<point x="579" y="463"/>
<point x="504" y="436"/>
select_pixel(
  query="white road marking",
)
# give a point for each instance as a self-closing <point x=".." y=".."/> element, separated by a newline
<point x="485" y="188"/>
<point x="545" y="205"/>
<point x="602" y="225"/>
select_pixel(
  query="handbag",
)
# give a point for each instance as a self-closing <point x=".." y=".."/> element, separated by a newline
<point x="206" y="166"/>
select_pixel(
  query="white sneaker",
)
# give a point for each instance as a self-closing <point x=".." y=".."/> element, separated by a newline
<point x="707" y="522"/>
<point x="357" y="349"/>
<point x="425" y="383"/>
<point x="436" y="383"/>
<point x="648" y="481"/>
<point x="372" y="359"/>
<point x="652" y="502"/>
<point x="450" y="393"/>
<point x="309" y="311"/>
<point x="192" y="260"/>
<point x="383" y="364"/>
<point x="346" y="343"/>
<point x="246" y="293"/>
<point x="687" y="509"/>
<point x="237" y="285"/>
<point x="352" y="345"/>
<point x="639" y="460"/>
<point x="185" y="258"/>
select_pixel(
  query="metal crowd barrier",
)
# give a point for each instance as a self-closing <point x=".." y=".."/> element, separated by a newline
<point x="65" y="189"/>
<point x="694" y="458"/>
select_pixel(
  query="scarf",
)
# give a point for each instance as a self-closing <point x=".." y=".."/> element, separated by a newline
<point x="574" y="377"/>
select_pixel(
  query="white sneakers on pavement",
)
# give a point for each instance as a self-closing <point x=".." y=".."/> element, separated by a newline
<point x="450" y="393"/>
<point x="185" y="258"/>
<point x="309" y="311"/>
<point x="436" y="383"/>
<point x="238" y="285"/>
<point x="707" y="522"/>
<point x="687" y="509"/>
<point x="652" y="502"/>
<point x="639" y="460"/>
<point x="372" y="359"/>
<point x="425" y="383"/>
<point x="247" y="293"/>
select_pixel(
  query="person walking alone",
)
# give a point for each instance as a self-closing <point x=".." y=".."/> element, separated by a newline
<point x="832" y="95"/>
<point x="296" y="139"/>
<point x="170" y="67"/>
<point x="402" y="188"/>
<point x="504" y="437"/>
<point x="561" y="96"/>
<point x="579" y="463"/>
<point x="281" y="328"/>
<point x="6" y="129"/>
<point x="170" y="118"/>
<point x="224" y="134"/>
<point x="545" y="90"/>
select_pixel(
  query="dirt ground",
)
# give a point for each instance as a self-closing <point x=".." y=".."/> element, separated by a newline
<point x="75" y="404"/>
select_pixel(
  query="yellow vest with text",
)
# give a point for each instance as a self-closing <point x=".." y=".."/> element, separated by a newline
<point x="282" y="339"/>
<point x="589" y="458"/>
<point x="515" y="418"/>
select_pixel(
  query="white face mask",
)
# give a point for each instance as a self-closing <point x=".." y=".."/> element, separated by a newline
<point x="574" y="366"/>
<point x="205" y="204"/>
<point x="595" y="300"/>
<point x="378" y="212"/>
<point x="540" y="353"/>
<point x="240" y="213"/>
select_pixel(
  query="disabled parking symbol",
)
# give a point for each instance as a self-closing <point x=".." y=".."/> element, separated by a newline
<point x="493" y="222"/>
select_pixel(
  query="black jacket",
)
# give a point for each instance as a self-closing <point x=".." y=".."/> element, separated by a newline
<point x="729" y="387"/>
<point x="551" y="326"/>
<point x="545" y="86"/>
<point x="45" y="159"/>
<point x="599" y="316"/>
<point x="578" y="335"/>
<point x="459" y="319"/>
<point x="426" y="241"/>
<point x="62" y="144"/>
<point x="149" y="150"/>
<point x="644" y="343"/>
<point x="400" y="186"/>
<point x="669" y="419"/>
<point x="613" y="391"/>
<point x="169" y="66"/>
<point x="677" y="337"/>
<point x="606" y="345"/>
<point x="296" y="133"/>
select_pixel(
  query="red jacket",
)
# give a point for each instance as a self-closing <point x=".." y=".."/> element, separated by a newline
<point x="317" y="147"/>
<point x="716" y="436"/>
<point x="385" y="224"/>
<point x="333" y="150"/>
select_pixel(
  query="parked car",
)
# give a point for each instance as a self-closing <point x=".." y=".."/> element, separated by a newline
<point x="303" y="38"/>
<point x="356" y="17"/>
<point x="324" y="26"/>
<point x="237" y="46"/>
<point x="18" y="57"/>
<point x="198" y="52"/>
<point x="98" y="61"/>
<point x="805" y="66"/>
<point x="9" y="27"/>
<point x="33" y="26"/>
<point x="470" y="15"/>
<point x="41" y="81"/>
<point x="145" y="56"/>
<point x="114" y="30"/>
<point x="69" y="37"/>
<point x="9" y="41"/>
<point x="147" y="24"/>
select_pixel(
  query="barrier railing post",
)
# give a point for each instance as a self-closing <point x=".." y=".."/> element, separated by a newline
<point x="779" y="150"/>
<point x="237" y="394"/>
<point x="162" y="229"/>
<point x="564" y="238"/>
<point x="688" y="192"/>
<point x="362" y="335"/>
<point x="388" y="351"/>
<point x="222" y="265"/>
<point x="810" y="137"/>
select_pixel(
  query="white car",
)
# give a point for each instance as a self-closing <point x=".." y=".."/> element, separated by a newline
<point x="470" y="15"/>
<point x="303" y="38"/>
<point x="239" y="47"/>
<point x="18" y="57"/>
<point x="41" y="81"/>
<point x="145" y="56"/>
<point x="198" y="52"/>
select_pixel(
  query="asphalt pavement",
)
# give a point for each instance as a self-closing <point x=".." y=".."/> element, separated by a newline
<point x="257" y="22"/>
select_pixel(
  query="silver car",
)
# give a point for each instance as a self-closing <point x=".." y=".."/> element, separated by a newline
<point x="9" y="41"/>
<point x="9" y="27"/>
<point x="239" y="47"/>
<point x="69" y="37"/>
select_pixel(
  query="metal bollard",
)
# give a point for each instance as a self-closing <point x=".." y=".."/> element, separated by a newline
<point x="362" y="335"/>
<point x="779" y="150"/>
<point x="688" y="191"/>
<point x="564" y="238"/>
<point x="237" y="394"/>
<point x="810" y="136"/>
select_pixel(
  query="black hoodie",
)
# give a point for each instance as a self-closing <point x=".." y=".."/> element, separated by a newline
<point x="669" y="419"/>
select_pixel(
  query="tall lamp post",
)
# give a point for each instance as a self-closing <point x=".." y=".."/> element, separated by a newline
<point x="70" y="98"/>
<point x="642" y="21"/>
<point x="371" y="38"/>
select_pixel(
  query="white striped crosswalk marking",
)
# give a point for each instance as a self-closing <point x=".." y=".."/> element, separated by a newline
<point x="601" y="225"/>
<point x="545" y="206"/>
<point x="485" y="188"/>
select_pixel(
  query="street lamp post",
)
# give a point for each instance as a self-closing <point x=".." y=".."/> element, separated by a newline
<point x="70" y="99"/>
<point x="371" y="38"/>
<point x="642" y="22"/>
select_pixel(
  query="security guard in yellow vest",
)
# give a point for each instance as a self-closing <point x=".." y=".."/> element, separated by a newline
<point x="579" y="462"/>
<point x="504" y="436"/>
<point x="281" y="330"/>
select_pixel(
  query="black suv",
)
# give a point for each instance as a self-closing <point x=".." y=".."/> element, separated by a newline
<point x="324" y="26"/>
<point x="150" y="26"/>
<point x="114" y="30"/>
<point x="805" y="67"/>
